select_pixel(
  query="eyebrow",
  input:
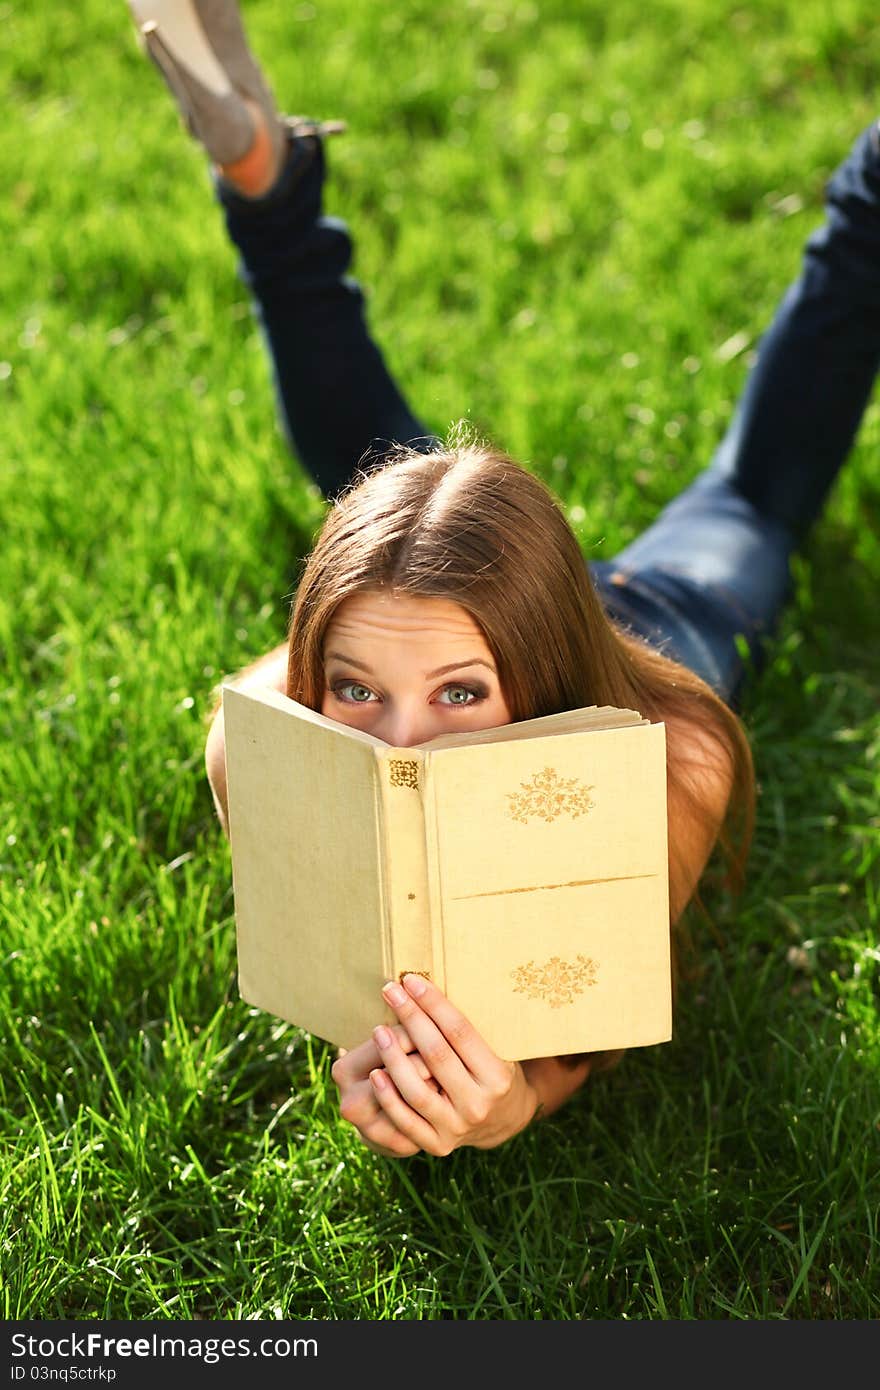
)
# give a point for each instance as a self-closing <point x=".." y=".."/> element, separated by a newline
<point x="429" y="675"/>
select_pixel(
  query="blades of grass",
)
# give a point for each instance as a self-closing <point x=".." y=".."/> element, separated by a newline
<point x="49" y="1184"/>
<point x="121" y="1104"/>
<point x="481" y="1240"/>
<point x="658" y="1288"/>
<point x="807" y="1257"/>
<point x="413" y="1193"/>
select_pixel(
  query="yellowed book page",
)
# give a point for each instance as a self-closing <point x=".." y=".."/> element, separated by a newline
<point x="306" y="868"/>
<point x="566" y="721"/>
<point x="551" y="875"/>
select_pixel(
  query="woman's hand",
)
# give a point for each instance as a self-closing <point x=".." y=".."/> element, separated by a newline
<point x="357" y="1099"/>
<point x="437" y="1084"/>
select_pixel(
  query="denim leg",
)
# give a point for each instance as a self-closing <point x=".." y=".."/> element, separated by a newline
<point x="684" y="619"/>
<point x="717" y="558"/>
<point x="804" y="400"/>
<point x="336" y="398"/>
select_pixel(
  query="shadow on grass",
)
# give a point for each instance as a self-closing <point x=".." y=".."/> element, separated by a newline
<point x="844" y="626"/>
<point x="831" y="624"/>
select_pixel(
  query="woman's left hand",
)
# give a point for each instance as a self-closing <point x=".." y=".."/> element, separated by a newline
<point x="481" y="1101"/>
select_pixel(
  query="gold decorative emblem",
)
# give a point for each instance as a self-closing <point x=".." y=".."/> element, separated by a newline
<point x="425" y="974"/>
<point x="557" y="981"/>
<point x="404" y="772"/>
<point x="548" y="795"/>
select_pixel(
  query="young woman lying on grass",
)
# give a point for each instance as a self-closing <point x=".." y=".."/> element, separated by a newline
<point x="446" y="589"/>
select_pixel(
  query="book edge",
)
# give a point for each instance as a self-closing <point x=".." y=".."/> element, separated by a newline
<point x="266" y="695"/>
<point x="543" y="726"/>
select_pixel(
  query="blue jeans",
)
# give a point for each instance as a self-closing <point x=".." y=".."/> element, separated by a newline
<point x="714" y="565"/>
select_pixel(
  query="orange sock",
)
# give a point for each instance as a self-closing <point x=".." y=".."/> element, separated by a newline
<point x="256" y="171"/>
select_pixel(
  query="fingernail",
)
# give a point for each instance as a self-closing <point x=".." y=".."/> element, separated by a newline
<point x="382" y="1036"/>
<point x="416" y="985"/>
<point x="378" y="1080"/>
<point x="394" y="994"/>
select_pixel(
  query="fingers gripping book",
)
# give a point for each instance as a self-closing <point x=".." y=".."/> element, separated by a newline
<point x="523" y="869"/>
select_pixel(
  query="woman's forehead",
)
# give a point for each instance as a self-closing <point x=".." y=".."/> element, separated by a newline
<point x="373" y="614"/>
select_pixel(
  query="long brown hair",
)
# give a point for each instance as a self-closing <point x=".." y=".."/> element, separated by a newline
<point x="465" y="522"/>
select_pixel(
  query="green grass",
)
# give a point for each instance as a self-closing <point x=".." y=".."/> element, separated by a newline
<point x="562" y="211"/>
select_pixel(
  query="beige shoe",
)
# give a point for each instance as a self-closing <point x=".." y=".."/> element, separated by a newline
<point x="200" y="48"/>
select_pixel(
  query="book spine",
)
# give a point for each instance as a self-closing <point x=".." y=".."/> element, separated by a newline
<point x="432" y="867"/>
<point x="401" y="815"/>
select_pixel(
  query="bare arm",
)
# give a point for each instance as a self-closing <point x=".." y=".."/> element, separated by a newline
<point x="553" y="1082"/>
<point x="696" y="814"/>
<point x="694" y="824"/>
<point x="269" y="670"/>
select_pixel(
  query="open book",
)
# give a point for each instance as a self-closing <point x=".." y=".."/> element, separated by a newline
<point x="523" y="869"/>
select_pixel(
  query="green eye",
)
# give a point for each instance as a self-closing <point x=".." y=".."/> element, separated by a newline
<point x="455" y="692"/>
<point x="359" y="694"/>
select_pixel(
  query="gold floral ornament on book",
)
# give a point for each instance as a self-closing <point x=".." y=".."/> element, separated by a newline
<point x="404" y="772"/>
<point x="548" y="795"/>
<point x="557" y="981"/>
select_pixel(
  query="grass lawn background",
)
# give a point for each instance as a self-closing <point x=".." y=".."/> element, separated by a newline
<point x="574" y="221"/>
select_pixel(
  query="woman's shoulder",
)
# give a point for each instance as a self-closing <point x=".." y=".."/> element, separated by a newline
<point x="700" y="759"/>
<point x="699" y="788"/>
<point x="268" y="670"/>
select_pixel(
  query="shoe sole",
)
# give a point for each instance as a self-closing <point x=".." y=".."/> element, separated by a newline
<point x="181" y="33"/>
